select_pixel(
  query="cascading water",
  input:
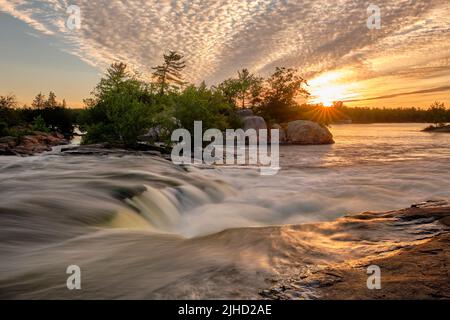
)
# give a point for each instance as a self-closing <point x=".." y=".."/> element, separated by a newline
<point x="141" y="227"/>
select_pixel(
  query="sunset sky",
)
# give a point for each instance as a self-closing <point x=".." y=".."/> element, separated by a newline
<point x="405" y="63"/>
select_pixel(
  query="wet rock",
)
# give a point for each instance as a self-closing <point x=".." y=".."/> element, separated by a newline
<point x="30" y="144"/>
<point x="412" y="270"/>
<point x="438" y="129"/>
<point x="254" y="122"/>
<point x="283" y="136"/>
<point x="307" y="132"/>
<point x="7" y="145"/>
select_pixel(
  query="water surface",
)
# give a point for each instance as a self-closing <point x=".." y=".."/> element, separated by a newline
<point x="140" y="227"/>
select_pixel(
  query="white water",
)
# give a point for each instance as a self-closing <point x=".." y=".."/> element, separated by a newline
<point x="135" y="224"/>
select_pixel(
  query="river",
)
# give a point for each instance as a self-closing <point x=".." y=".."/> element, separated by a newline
<point x="141" y="227"/>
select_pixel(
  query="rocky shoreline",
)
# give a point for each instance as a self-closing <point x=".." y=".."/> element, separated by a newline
<point x="409" y="270"/>
<point x="438" y="129"/>
<point x="30" y="144"/>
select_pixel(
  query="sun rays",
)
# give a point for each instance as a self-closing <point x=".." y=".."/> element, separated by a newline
<point x="332" y="86"/>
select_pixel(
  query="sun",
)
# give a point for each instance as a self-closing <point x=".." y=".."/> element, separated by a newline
<point x="327" y="96"/>
<point x="328" y="88"/>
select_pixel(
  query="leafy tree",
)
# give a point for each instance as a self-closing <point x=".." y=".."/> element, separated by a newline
<point x="39" y="124"/>
<point x="169" y="73"/>
<point x="120" y="110"/>
<point x="39" y="102"/>
<point x="206" y="105"/>
<point x="229" y="88"/>
<point x="243" y="90"/>
<point x="280" y="94"/>
<point x="249" y="86"/>
<point x="8" y="114"/>
<point x="51" y="101"/>
<point x="8" y="102"/>
<point x="438" y="113"/>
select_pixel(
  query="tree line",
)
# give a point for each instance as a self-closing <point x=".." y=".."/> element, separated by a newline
<point x="45" y="114"/>
<point x="123" y="108"/>
<point x="436" y="113"/>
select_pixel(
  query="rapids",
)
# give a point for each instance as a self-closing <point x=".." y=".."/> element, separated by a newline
<point x="141" y="227"/>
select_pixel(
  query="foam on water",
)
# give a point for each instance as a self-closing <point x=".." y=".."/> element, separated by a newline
<point x="143" y="221"/>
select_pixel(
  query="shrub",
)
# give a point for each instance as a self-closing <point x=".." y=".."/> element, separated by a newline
<point x="206" y="105"/>
<point x="39" y="124"/>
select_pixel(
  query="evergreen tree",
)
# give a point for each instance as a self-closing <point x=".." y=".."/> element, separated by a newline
<point x="169" y="73"/>
<point x="115" y="76"/>
<point x="249" y="87"/>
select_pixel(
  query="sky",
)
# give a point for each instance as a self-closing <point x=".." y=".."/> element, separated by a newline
<point x="405" y="62"/>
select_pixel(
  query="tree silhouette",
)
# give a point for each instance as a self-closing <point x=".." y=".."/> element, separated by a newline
<point x="8" y="102"/>
<point x="279" y="98"/>
<point x="39" y="102"/>
<point x="169" y="72"/>
<point x="51" y="101"/>
<point x="438" y="113"/>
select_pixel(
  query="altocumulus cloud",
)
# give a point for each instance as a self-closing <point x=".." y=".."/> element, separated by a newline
<point x="220" y="36"/>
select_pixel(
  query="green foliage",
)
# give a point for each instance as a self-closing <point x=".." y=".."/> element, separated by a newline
<point x="206" y="105"/>
<point x="279" y="97"/>
<point x="394" y="115"/>
<point x="39" y="124"/>
<point x="4" y="129"/>
<point x="121" y="109"/>
<point x="243" y="90"/>
<point x="8" y="114"/>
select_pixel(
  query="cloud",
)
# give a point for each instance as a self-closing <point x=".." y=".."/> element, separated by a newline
<point x="401" y="94"/>
<point x="220" y="36"/>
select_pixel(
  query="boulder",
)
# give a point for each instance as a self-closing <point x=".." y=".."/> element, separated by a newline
<point x="243" y="113"/>
<point x="308" y="132"/>
<point x="254" y="122"/>
<point x="282" y="136"/>
<point x="153" y="134"/>
<point x="156" y="133"/>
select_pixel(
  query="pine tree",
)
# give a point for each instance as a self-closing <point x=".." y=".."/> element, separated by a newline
<point x="116" y="74"/>
<point x="170" y="71"/>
